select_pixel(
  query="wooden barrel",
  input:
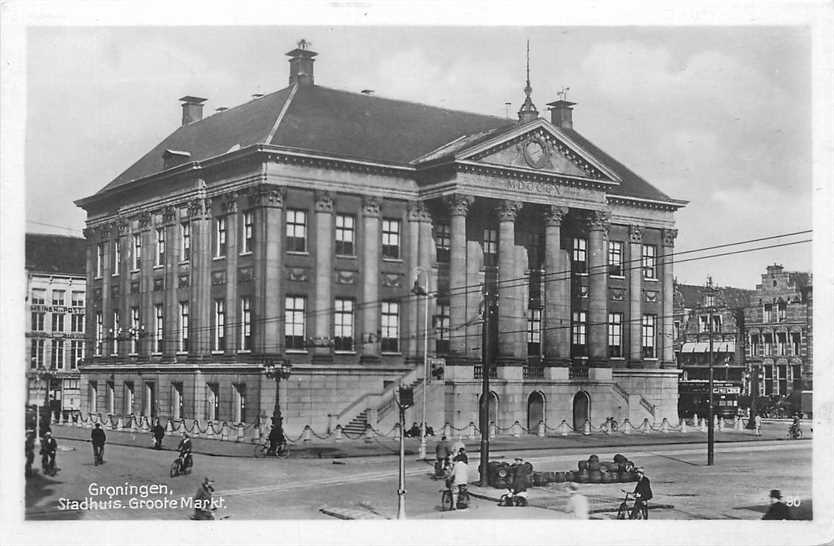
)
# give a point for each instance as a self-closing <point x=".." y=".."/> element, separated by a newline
<point x="583" y="465"/>
<point x="570" y="476"/>
<point x="594" y="466"/>
<point x="558" y="477"/>
<point x="623" y="477"/>
<point x="593" y="459"/>
<point x="581" y="477"/>
<point x="595" y="476"/>
<point x="603" y="467"/>
<point x="608" y="477"/>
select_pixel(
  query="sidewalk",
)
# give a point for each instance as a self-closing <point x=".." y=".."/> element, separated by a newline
<point x="337" y="449"/>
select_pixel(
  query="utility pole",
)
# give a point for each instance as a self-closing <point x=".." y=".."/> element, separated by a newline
<point x="404" y="401"/>
<point x="710" y="412"/>
<point x="486" y="354"/>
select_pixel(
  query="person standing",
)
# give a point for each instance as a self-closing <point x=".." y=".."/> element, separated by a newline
<point x="98" y="438"/>
<point x="202" y="500"/>
<point x="757" y="423"/>
<point x="49" y="449"/>
<point x="441" y="452"/>
<point x="158" y="435"/>
<point x="30" y="451"/>
<point x="642" y="493"/>
<point x="777" y="508"/>
<point x="577" y="503"/>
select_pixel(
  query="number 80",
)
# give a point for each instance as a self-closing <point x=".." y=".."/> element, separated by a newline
<point x="793" y="501"/>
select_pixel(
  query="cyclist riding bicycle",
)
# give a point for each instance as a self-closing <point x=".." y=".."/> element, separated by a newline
<point x="795" y="428"/>
<point x="276" y="439"/>
<point x="441" y="452"/>
<point x="457" y="479"/>
<point x="185" y="451"/>
<point x="642" y="492"/>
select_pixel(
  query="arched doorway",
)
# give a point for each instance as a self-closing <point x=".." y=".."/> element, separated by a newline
<point x="581" y="409"/>
<point x="493" y="407"/>
<point x="535" y="411"/>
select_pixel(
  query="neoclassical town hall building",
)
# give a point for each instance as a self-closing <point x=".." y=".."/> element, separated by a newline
<point x="292" y="228"/>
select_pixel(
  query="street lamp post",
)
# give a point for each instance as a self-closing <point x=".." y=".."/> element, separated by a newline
<point x="710" y="412"/>
<point x="420" y="291"/>
<point x="404" y="401"/>
<point x="41" y="375"/>
<point x="277" y="372"/>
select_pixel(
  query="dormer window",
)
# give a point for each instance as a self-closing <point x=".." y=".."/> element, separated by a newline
<point x="172" y="158"/>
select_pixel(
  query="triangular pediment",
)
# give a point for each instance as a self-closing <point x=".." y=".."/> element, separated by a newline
<point x="537" y="146"/>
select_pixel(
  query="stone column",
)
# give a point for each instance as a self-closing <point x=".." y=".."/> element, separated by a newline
<point x="269" y="236"/>
<point x="146" y="284"/>
<point x="370" y="280"/>
<point x="635" y="297"/>
<point x="598" y="273"/>
<point x="105" y="233"/>
<point x="459" y="206"/>
<point x="429" y="282"/>
<point x="511" y="304"/>
<point x="412" y="324"/>
<point x="668" y="259"/>
<point x="324" y="274"/>
<point x="557" y="291"/>
<point x="172" y="253"/>
<point x="230" y="209"/>
<point x="124" y="281"/>
<point x="90" y="305"/>
<point x="200" y="308"/>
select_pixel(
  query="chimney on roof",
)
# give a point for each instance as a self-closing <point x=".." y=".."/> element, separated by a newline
<point x="301" y="64"/>
<point x="192" y="109"/>
<point x="561" y="113"/>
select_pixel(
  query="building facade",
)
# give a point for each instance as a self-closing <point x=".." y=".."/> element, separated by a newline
<point x="695" y="308"/>
<point x="293" y="228"/>
<point x="56" y="294"/>
<point x="780" y="340"/>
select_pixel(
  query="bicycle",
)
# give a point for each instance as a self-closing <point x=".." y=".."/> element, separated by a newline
<point x="48" y="464"/>
<point x="463" y="498"/>
<point x="282" y="451"/>
<point x="633" y="511"/>
<point x="179" y="466"/>
<point x="794" y="433"/>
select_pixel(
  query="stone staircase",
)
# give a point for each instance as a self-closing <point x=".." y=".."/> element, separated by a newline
<point x="358" y="424"/>
<point x="370" y="409"/>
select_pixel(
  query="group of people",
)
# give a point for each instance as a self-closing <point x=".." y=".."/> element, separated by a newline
<point x="48" y="452"/>
<point x="414" y="431"/>
<point x="454" y="461"/>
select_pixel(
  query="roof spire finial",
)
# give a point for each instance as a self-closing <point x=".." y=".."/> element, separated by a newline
<point x="528" y="110"/>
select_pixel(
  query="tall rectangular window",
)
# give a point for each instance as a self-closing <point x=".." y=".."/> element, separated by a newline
<point x="390" y="238"/>
<point x="442" y="326"/>
<point x="703" y="323"/>
<point x="76" y="353"/>
<point x="37" y="353"/>
<point x="768" y="312"/>
<point x="248" y="234"/>
<point x="294" y="326"/>
<point x="615" y="335"/>
<point x="92" y="396"/>
<point x="649" y="328"/>
<point x="219" y="325"/>
<point x="648" y="260"/>
<point x="345" y="234"/>
<point x="716" y="323"/>
<point x="78" y="299"/>
<point x="390" y="322"/>
<point x="185" y="241"/>
<point x="245" y="323"/>
<point x="134" y="330"/>
<point x="296" y="230"/>
<point x="768" y="344"/>
<point x="137" y="251"/>
<point x="781" y="343"/>
<point x="443" y="241"/>
<point x="768" y="380"/>
<point x="343" y="325"/>
<point x="212" y="401"/>
<point x="579" y="255"/>
<point x="781" y="311"/>
<point x="796" y="339"/>
<point x="534" y="332"/>
<point x="38" y="296"/>
<point x="579" y="334"/>
<point x="490" y="246"/>
<point x="57" y="354"/>
<point x="117" y="257"/>
<point x="220" y="236"/>
<point x="57" y="322"/>
<point x="159" y="327"/>
<point x="160" y="246"/>
<point x="99" y="333"/>
<point x="615" y="258"/>
<point x="755" y="348"/>
<point x="182" y="327"/>
<point x="77" y="323"/>
<point x="114" y="347"/>
<point x="37" y="321"/>
<point x="99" y="259"/>
<point x="239" y="403"/>
<point x="59" y="298"/>
<point x="110" y="397"/>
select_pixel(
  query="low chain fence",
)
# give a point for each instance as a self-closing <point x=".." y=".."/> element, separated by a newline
<point x="258" y="432"/>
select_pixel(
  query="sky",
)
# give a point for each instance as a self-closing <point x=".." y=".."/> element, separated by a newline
<point x="718" y="116"/>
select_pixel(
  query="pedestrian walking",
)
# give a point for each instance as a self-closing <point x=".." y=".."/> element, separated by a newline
<point x="98" y="438"/>
<point x="158" y="435"/>
<point x="577" y="502"/>
<point x="30" y="451"/>
<point x="49" y="449"/>
<point x="777" y="508"/>
<point x="757" y="423"/>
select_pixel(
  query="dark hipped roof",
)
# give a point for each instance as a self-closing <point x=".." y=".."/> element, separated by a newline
<point x="55" y="254"/>
<point x="353" y="126"/>
<point x="692" y="296"/>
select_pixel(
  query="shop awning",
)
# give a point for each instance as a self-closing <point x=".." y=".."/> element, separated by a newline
<point x="703" y="347"/>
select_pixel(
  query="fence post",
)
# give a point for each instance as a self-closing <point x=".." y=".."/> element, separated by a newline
<point x="627" y="426"/>
<point x="563" y="428"/>
<point x="491" y="430"/>
<point x="541" y="432"/>
<point x="516" y="429"/>
<point x="664" y="426"/>
<point x="683" y="425"/>
<point x="447" y="430"/>
<point x="586" y="427"/>
<point x="307" y="435"/>
<point x="472" y="431"/>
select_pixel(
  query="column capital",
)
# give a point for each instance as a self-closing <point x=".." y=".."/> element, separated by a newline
<point x="266" y="195"/>
<point x="199" y="208"/>
<point x="370" y="206"/>
<point x="169" y="215"/>
<point x="669" y="236"/>
<point x="324" y="202"/>
<point x="598" y="220"/>
<point x="228" y="202"/>
<point x="123" y="225"/>
<point x="459" y="204"/>
<point x="508" y="210"/>
<point x="553" y="215"/>
<point x="635" y="234"/>
<point x="88" y="232"/>
<point x="418" y="212"/>
<point x="145" y="220"/>
<point x="104" y="231"/>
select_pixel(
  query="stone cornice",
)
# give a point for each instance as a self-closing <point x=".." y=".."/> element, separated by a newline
<point x="521" y="173"/>
<point x="646" y="203"/>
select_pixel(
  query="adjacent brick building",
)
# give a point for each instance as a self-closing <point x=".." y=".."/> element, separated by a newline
<point x="292" y="228"/>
